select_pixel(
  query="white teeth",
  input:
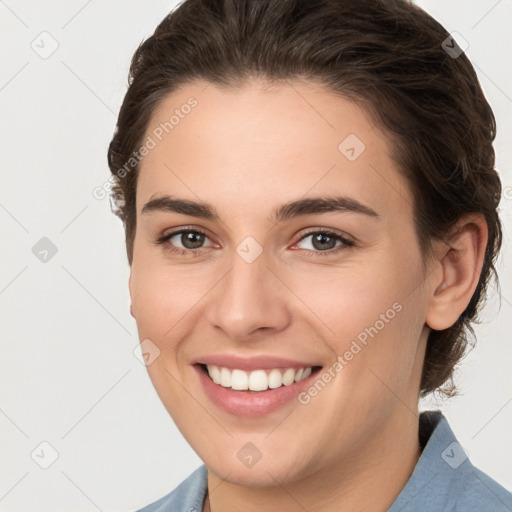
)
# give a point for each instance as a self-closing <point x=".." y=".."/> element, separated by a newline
<point x="225" y="377"/>
<point x="239" y="380"/>
<point x="257" y="380"/>
<point x="274" y="379"/>
<point x="215" y="374"/>
<point x="289" y="377"/>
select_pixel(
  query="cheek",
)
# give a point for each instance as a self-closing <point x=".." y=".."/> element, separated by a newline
<point x="348" y="301"/>
<point x="163" y="301"/>
<point x="370" y="315"/>
<point x="162" y="296"/>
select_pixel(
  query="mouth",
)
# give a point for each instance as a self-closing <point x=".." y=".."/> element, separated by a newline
<point x="256" y="380"/>
<point x="254" y="392"/>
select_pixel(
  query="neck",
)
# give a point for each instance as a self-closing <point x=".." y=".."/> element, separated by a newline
<point x="369" y="480"/>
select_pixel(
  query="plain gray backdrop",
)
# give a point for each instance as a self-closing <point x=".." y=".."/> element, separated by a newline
<point x="81" y="426"/>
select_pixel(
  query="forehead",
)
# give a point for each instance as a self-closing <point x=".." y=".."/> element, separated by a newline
<point x="243" y="148"/>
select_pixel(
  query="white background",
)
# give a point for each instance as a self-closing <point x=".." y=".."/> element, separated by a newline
<point x="68" y="373"/>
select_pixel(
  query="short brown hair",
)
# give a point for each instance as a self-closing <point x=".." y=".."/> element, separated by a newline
<point x="387" y="55"/>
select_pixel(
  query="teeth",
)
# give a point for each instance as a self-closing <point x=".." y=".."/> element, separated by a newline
<point x="239" y="380"/>
<point x="257" y="380"/>
<point x="225" y="377"/>
<point x="274" y="379"/>
<point x="289" y="377"/>
<point x="215" y="374"/>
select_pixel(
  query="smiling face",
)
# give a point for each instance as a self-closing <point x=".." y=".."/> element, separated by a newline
<point x="245" y="282"/>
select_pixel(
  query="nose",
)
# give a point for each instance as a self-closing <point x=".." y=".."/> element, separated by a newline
<point x="249" y="301"/>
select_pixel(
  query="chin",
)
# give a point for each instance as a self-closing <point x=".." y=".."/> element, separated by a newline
<point x="250" y="467"/>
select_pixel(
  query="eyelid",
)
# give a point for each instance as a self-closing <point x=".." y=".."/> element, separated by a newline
<point x="183" y="229"/>
<point x="346" y="241"/>
<point x="328" y="231"/>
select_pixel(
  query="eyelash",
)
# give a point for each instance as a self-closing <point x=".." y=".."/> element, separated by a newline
<point x="176" y="250"/>
<point x="345" y="243"/>
<point x="190" y="252"/>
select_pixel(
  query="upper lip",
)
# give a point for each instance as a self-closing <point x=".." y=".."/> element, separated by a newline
<point x="260" y="362"/>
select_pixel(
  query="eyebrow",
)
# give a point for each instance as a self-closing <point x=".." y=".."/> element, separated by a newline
<point x="292" y="209"/>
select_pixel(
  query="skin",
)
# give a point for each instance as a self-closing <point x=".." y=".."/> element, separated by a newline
<point x="247" y="151"/>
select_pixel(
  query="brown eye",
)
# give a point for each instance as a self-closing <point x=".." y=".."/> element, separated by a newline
<point x="184" y="241"/>
<point x="324" y="242"/>
<point x="190" y="239"/>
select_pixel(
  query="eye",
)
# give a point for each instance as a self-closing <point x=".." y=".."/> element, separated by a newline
<point x="323" y="243"/>
<point x="189" y="242"/>
<point x="185" y="242"/>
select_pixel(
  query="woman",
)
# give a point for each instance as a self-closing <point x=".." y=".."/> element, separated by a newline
<point x="310" y="205"/>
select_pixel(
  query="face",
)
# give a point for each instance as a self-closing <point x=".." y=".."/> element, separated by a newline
<point x="274" y="235"/>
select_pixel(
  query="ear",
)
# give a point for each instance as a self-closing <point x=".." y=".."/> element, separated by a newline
<point x="456" y="270"/>
<point x="132" y="311"/>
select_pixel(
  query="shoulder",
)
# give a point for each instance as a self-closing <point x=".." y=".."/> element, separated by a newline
<point x="187" y="497"/>
<point x="444" y="478"/>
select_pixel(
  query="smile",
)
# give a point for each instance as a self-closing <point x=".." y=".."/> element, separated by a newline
<point x="257" y="380"/>
<point x="253" y="387"/>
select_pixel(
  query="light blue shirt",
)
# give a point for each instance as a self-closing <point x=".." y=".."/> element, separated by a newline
<point x="444" y="480"/>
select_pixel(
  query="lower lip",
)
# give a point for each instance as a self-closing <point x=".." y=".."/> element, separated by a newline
<point x="250" y="403"/>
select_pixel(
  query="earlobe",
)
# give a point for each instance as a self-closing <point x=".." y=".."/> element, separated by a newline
<point x="459" y="260"/>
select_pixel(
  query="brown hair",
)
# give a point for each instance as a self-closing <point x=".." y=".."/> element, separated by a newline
<point x="387" y="55"/>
